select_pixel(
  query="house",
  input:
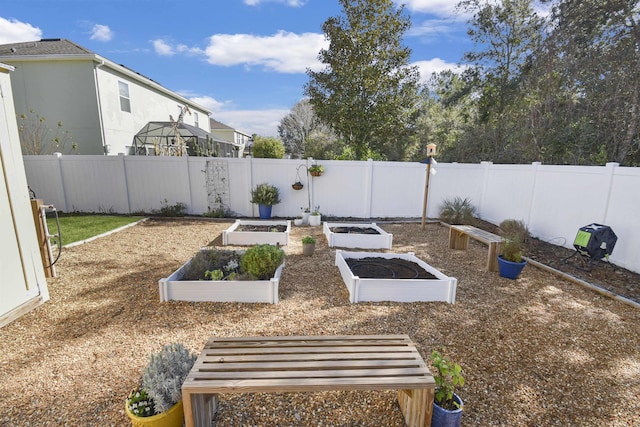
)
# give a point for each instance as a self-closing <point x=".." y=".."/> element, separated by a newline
<point x="101" y="104"/>
<point x="238" y="139"/>
<point x="23" y="285"/>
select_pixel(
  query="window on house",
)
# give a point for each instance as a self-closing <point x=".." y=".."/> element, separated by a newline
<point x="195" y="119"/>
<point x="125" y="102"/>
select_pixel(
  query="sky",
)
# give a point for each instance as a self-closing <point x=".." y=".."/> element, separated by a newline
<point x="245" y="60"/>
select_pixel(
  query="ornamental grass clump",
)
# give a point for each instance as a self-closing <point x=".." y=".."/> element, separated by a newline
<point x="163" y="376"/>
<point x="458" y="211"/>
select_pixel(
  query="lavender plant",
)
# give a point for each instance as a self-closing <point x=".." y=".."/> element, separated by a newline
<point x="163" y="376"/>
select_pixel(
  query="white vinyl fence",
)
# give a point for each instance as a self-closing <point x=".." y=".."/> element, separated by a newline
<point x="554" y="201"/>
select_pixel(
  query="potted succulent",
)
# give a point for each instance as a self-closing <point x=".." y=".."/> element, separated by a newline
<point x="265" y="196"/>
<point x="510" y="261"/>
<point x="315" y="218"/>
<point x="447" y="405"/>
<point x="308" y="245"/>
<point x="316" y="170"/>
<point x="158" y="401"/>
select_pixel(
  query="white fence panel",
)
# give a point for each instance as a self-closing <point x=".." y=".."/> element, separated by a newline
<point x="553" y="200"/>
<point x="45" y="180"/>
<point x="94" y="183"/>
<point x="152" y="180"/>
<point x="622" y="216"/>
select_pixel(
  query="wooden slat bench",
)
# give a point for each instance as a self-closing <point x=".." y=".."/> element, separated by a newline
<point x="459" y="239"/>
<point x="309" y="364"/>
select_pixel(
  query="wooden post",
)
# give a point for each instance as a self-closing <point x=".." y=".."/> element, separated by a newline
<point x="36" y="209"/>
<point x="426" y="193"/>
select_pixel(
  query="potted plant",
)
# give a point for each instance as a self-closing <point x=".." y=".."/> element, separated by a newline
<point x="308" y="245"/>
<point x="305" y="215"/>
<point x="298" y="220"/>
<point x="265" y="196"/>
<point x="510" y="261"/>
<point x="447" y="405"/>
<point x="316" y="170"/>
<point x="315" y="218"/>
<point x="158" y="401"/>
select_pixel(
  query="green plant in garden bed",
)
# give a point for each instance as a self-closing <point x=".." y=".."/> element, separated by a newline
<point x="75" y="228"/>
<point x="448" y="377"/>
<point x="258" y="262"/>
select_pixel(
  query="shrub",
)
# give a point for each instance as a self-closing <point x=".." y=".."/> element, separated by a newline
<point x="179" y="209"/>
<point x="458" y="211"/>
<point x="512" y="249"/>
<point x="163" y="376"/>
<point x="267" y="148"/>
<point x="265" y="194"/>
<point x="308" y="239"/>
<point x="262" y="261"/>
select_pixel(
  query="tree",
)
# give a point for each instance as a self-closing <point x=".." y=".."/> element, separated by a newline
<point x="597" y="49"/>
<point x="267" y="147"/>
<point x="37" y="138"/>
<point x="294" y="129"/>
<point x="507" y="33"/>
<point x="367" y="91"/>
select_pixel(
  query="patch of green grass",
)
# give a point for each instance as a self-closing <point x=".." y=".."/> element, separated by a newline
<point x="80" y="227"/>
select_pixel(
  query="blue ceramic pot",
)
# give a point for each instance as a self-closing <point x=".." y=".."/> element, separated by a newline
<point x="510" y="269"/>
<point x="265" y="211"/>
<point x="445" y="418"/>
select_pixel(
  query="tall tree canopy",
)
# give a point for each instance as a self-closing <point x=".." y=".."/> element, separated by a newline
<point x="367" y="92"/>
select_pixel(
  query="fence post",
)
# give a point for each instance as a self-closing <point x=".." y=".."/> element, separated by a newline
<point x="126" y="181"/>
<point x="369" y="189"/>
<point x="610" y="170"/>
<point x="485" y="184"/>
<point x="535" y="169"/>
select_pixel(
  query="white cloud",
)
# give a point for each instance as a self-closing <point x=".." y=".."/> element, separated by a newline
<point x="262" y="122"/>
<point x="435" y="65"/>
<point x="434" y="7"/>
<point x="293" y="3"/>
<point x="101" y="33"/>
<point x="283" y="52"/>
<point x="14" y="31"/>
<point x="162" y="48"/>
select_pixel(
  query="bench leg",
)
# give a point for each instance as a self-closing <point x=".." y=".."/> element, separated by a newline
<point x="458" y="239"/>
<point x="416" y="406"/>
<point x="200" y="409"/>
<point x="492" y="261"/>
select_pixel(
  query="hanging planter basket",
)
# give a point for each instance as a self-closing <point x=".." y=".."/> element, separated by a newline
<point x="297" y="185"/>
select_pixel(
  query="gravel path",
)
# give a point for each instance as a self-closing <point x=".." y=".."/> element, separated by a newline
<point x="538" y="351"/>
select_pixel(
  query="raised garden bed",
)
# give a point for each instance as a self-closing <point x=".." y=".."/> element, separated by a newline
<point x="247" y="232"/>
<point x="371" y="276"/>
<point x="252" y="291"/>
<point x="354" y="235"/>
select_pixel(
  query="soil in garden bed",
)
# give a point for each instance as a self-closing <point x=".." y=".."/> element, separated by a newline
<point x="263" y="228"/>
<point x="354" y="230"/>
<point x="385" y="268"/>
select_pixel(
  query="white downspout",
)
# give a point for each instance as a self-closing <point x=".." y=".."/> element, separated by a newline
<point x="95" y="79"/>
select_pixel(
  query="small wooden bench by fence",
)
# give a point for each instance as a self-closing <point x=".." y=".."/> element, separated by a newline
<point x="459" y="239"/>
<point x="309" y="364"/>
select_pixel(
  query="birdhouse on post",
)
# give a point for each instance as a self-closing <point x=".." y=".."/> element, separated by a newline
<point x="431" y="151"/>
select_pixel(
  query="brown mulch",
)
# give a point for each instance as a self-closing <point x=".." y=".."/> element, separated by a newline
<point x="537" y="351"/>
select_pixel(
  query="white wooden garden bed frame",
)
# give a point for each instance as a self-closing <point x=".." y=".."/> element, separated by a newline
<point x="248" y="238"/>
<point x="253" y="291"/>
<point x="383" y="240"/>
<point x="443" y="288"/>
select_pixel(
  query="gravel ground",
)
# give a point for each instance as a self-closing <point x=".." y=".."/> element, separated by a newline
<point x="538" y="351"/>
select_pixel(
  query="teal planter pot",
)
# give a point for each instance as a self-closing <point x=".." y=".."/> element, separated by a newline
<point x="509" y="269"/>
